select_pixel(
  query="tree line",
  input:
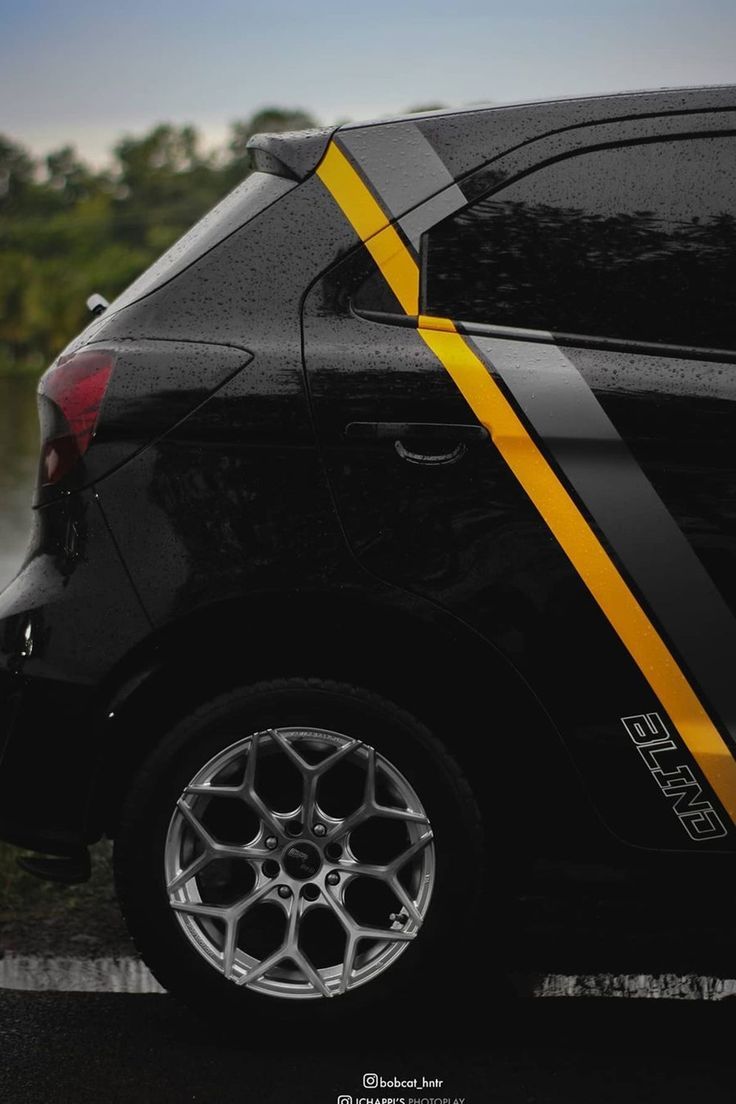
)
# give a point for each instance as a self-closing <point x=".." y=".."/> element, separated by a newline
<point x="67" y="229"/>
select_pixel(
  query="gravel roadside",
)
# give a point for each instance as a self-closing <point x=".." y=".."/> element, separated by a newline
<point x="43" y="918"/>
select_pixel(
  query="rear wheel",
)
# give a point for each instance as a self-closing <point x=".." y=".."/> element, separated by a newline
<point x="297" y="841"/>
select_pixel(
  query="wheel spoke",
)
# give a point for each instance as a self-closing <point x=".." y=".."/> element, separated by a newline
<point x="310" y="772"/>
<point x="359" y="931"/>
<point x="389" y="935"/>
<point x="369" y="793"/>
<point x="308" y="775"/>
<point x="340" y="831"/>
<point x="342" y="914"/>
<point x="198" y="908"/>
<point x="290" y="950"/>
<point x="242" y="851"/>
<point x="309" y="799"/>
<point x="230" y="947"/>
<point x="349" y="868"/>
<point x="194" y="868"/>
<point x="291" y="752"/>
<point x="411" y="852"/>
<point x="389" y="813"/>
<point x="239" y="909"/>
<point x="312" y="974"/>
<point x="293" y="911"/>
<point x="370" y="807"/>
<point x="196" y="825"/>
<point x="388" y="873"/>
<point x="293" y="951"/>
<point x="248" y="789"/>
<point x="331" y="760"/>
<point x="406" y="902"/>
<point x="249" y="778"/>
<point x="258" y="969"/>
<point x="348" y="963"/>
<point x="213" y="791"/>
<point x="259" y="806"/>
<point x="213" y="848"/>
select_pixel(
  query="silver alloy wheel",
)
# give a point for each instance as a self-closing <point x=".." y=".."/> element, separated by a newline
<point x="315" y="866"/>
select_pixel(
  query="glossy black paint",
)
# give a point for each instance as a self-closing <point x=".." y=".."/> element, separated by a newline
<point x="463" y="535"/>
<point x="69" y="616"/>
<point x="226" y="525"/>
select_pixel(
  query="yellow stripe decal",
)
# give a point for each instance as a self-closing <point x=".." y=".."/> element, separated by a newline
<point x="526" y="461"/>
<point x="372" y="227"/>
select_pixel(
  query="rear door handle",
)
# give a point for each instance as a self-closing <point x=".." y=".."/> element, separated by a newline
<point x="421" y="442"/>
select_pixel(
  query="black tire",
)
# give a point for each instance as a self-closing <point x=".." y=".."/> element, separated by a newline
<point x="424" y="969"/>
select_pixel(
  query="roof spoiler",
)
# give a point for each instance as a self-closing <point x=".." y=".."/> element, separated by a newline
<point x="293" y="154"/>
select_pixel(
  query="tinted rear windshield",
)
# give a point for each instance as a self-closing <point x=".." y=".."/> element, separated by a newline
<point x="258" y="191"/>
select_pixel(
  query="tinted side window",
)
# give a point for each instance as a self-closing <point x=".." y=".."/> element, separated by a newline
<point x="636" y="243"/>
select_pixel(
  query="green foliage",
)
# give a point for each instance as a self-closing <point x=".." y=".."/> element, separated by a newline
<point x="67" y="230"/>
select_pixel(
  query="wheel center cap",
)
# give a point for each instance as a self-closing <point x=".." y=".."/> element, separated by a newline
<point x="302" y="860"/>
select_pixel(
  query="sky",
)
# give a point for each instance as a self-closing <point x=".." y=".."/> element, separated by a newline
<point x="86" y="71"/>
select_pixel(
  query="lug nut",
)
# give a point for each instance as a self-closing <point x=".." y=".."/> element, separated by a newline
<point x="271" y="842"/>
<point x="284" y="891"/>
<point x="319" y="830"/>
<point x="398" y="917"/>
<point x="332" y="878"/>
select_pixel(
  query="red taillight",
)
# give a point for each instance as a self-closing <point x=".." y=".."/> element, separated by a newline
<point x="70" y="398"/>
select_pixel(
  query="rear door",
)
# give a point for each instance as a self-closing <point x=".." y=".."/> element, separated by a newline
<point x="591" y="280"/>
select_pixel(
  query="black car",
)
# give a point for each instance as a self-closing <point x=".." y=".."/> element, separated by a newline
<point x="385" y="543"/>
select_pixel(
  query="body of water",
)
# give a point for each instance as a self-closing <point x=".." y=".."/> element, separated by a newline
<point x="18" y="466"/>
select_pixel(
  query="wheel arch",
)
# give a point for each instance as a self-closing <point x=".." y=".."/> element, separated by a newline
<point x="425" y="660"/>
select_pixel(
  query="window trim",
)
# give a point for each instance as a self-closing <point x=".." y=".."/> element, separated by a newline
<point x="549" y="337"/>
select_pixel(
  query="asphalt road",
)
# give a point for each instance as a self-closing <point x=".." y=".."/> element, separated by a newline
<point x="103" y="1047"/>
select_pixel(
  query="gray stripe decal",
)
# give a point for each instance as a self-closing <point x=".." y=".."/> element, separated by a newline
<point x="641" y="532"/>
<point x="404" y="170"/>
<point x="429" y="214"/>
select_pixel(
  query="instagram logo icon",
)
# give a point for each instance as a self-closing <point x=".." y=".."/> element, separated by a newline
<point x="370" y="1080"/>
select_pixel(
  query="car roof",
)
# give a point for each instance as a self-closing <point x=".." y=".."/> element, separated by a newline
<point x="699" y="92"/>
<point x="466" y="138"/>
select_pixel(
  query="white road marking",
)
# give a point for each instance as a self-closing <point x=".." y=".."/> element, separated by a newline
<point x="36" y="973"/>
<point x="76" y="975"/>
